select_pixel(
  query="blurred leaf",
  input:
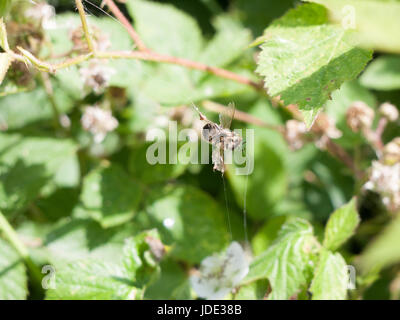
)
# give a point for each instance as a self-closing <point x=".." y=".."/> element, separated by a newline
<point x="23" y="108"/>
<point x="27" y="165"/>
<point x="305" y="64"/>
<point x="336" y="108"/>
<point x="4" y="7"/>
<point x="267" y="234"/>
<point x="253" y="291"/>
<point x="165" y="29"/>
<point x="148" y="173"/>
<point x="331" y="278"/>
<point x="284" y="263"/>
<point x="384" y="250"/>
<point x="110" y="195"/>
<point x="188" y="220"/>
<point x="341" y="225"/>
<point x="91" y="280"/>
<point x="13" y="279"/>
<point x="96" y="279"/>
<point x="376" y="21"/>
<point x="382" y="74"/>
<point x="5" y="61"/>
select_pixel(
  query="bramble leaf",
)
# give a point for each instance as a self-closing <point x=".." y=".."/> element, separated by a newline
<point x="285" y="262"/>
<point x="382" y="74"/>
<point x="304" y="59"/>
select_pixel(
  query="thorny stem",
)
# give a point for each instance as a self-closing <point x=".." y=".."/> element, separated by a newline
<point x="85" y="27"/>
<point x="13" y="239"/>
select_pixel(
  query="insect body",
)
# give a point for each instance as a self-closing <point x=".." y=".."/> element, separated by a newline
<point x="220" y="136"/>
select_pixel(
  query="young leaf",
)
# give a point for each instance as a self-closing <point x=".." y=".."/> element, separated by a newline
<point x="284" y="263"/>
<point x="304" y="59"/>
<point x="13" y="279"/>
<point x="110" y="195"/>
<point x="331" y="277"/>
<point x="5" y="61"/>
<point x="341" y="225"/>
<point x="382" y="74"/>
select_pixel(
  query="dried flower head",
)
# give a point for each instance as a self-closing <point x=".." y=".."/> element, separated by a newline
<point x="385" y="180"/>
<point x="391" y="152"/>
<point x="98" y="122"/>
<point x="96" y="76"/>
<point x="220" y="273"/>
<point x="389" y="111"/>
<point x="359" y="116"/>
<point x="295" y="134"/>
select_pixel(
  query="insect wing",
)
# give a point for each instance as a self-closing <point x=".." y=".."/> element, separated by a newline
<point x="225" y="118"/>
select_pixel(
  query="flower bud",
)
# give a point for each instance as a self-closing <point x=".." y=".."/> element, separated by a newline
<point x="295" y="134"/>
<point x="359" y="116"/>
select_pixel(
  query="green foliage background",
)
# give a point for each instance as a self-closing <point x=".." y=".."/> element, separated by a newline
<point x="88" y="210"/>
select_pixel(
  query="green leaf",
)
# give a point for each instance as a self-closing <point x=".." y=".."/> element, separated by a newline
<point x="165" y="29"/>
<point x="82" y="238"/>
<point x="285" y="262"/>
<point x="153" y="173"/>
<point x="376" y="21"/>
<point x="4" y="7"/>
<point x="304" y="63"/>
<point x="29" y="164"/>
<point x="341" y="225"/>
<point x="110" y="195"/>
<point x="188" y="220"/>
<point x="384" y="250"/>
<point x="172" y="284"/>
<point x="382" y="74"/>
<point x="331" y="277"/>
<point x="13" y="279"/>
<point x="99" y="279"/>
<point x="5" y="61"/>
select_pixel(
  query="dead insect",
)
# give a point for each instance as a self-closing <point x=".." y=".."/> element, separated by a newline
<point x="220" y="136"/>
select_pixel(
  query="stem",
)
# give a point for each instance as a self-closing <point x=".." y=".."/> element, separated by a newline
<point x="85" y="27"/>
<point x="127" y="25"/>
<point x="50" y="93"/>
<point x="22" y="251"/>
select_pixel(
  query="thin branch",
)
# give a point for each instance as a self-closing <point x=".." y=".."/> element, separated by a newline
<point x="85" y="27"/>
<point x="127" y="25"/>
<point x="241" y="116"/>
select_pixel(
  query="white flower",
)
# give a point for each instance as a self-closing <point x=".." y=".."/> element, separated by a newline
<point x="389" y="111"/>
<point x="44" y="13"/>
<point x="96" y="76"/>
<point x="220" y="273"/>
<point x="98" y="122"/>
<point x="385" y="180"/>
